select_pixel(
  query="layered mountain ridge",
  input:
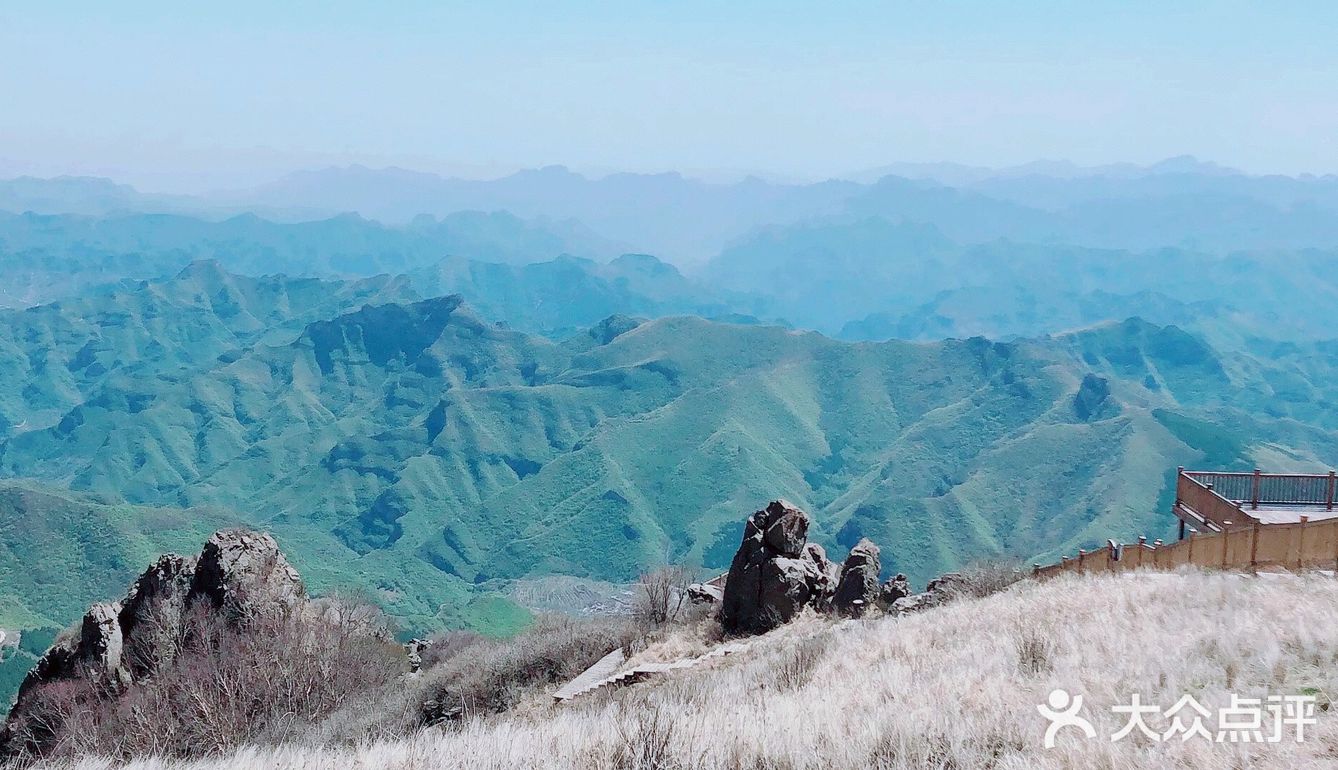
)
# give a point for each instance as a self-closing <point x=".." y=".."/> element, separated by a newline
<point x="416" y="450"/>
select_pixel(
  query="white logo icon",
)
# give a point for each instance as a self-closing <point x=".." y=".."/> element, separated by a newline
<point x="1063" y="712"/>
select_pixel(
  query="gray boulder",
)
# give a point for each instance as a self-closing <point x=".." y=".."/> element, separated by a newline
<point x="101" y="645"/>
<point x="774" y="573"/>
<point x="244" y="574"/>
<point x="858" y="588"/>
<point x="940" y="590"/>
<point x="896" y="588"/>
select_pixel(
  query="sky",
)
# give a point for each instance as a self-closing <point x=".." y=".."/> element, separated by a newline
<point x="187" y="97"/>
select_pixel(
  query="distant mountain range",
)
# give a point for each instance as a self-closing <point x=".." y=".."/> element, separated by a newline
<point x="44" y="257"/>
<point x="866" y="277"/>
<point x="1179" y="202"/>
<point x="871" y="278"/>
<point x="417" y="451"/>
<point x="441" y="407"/>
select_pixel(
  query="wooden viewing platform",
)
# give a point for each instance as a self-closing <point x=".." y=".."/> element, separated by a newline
<point x="1233" y="520"/>
<point x="1217" y="501"/>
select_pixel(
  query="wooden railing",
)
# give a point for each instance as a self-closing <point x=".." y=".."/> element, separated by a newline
<point x="1259" y="488"/>
<point x="1291" y="546"/>
<point x="1212" y="512"/>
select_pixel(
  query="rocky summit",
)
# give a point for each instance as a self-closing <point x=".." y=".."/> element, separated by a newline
<point x="774" y="574"/>
<point x="239" y="575"/>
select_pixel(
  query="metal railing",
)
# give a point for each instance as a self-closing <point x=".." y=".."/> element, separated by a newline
<point x="1259" y="488"/>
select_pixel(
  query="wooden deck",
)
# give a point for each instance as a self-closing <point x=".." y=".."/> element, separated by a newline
<point x="1232" y="520"/>
<point x="1215" y="501"/>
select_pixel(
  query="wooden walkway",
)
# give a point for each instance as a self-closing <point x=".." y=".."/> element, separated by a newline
<point x="1302" y="545"/>
<point x="1214" y="501"/>
<point x="608" y="671"/>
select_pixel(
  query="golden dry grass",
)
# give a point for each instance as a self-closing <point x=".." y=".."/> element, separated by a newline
<point x="953" y="687"/>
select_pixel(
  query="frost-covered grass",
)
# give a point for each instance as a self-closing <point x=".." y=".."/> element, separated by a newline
<point x="954" y="687"/>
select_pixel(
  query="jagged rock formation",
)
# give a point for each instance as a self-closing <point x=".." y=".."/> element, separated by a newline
<point x="1092" y="401"/>
<point x="858" y="588"/>
<point x="775" y="572"/>
<point x="243" y="573"/>
<point x="898" y="587"/>
<point x="239" y="573"/>
<point x="940" y="590"/>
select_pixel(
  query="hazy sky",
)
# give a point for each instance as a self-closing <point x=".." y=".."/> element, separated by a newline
<point x="190" y="95"/>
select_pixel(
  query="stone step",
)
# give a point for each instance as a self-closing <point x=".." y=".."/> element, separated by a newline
<point x="604" y="672"/>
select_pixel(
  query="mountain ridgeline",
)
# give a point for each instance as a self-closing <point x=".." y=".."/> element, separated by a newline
<point x="523" y="393"/>
<point x="417" y="451"/>
<point x="862" y="277"/>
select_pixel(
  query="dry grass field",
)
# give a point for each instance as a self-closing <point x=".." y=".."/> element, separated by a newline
<point x="953" y="687"/>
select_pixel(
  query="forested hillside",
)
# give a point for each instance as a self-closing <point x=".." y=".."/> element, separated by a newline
<point x="418" y="451"/>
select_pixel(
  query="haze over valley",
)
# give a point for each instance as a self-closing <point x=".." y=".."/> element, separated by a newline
<point x="516" y="385"/>
<point x="437" y="391"/>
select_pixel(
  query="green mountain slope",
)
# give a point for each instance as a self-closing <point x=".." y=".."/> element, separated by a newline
<point x="55" y="356"/>
<point x="561" y="296"/>
<point x="423" y="454"/>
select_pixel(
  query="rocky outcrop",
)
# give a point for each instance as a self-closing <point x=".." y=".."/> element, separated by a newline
<point x="940" y="590"/>
<point x="244" y="574"/>
<point x="1092" y="401"/>
<point x="413" y="650"/>
<point x="898" y="587"/>
<point x="151" y="614"/>
<point x="775" y="573"/>
<point x="239" y="573"/>
<point x="858" y="587"/>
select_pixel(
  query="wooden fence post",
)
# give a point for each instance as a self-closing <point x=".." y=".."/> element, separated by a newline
<point x="1143" y="540"/>
<point x="1189" y="557"/>
<point x="1300" y="542"/>
<point x="1329" y="500"/>
<point x="1335" y="551"/>
<point x="1254" y="545"/>
<point x="1254" y="490"/>
<point x="1226" y="533"/>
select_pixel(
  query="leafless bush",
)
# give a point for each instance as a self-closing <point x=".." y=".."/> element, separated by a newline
<point x="446" y="645"/>
<point x="1034" y="650"/>
<point x="491" y="676"/>
<point x="990" y="577"/>
<point x="223" y="686"/>
<point x="796" y="665"/>
<point x="662" y="595"/>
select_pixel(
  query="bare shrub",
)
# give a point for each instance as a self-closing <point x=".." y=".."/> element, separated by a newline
<point x="645" y="740"/>
<point x="984" y="578"/>
<point x="797" y="663"/>
<point x="446" y="645"/>
<point x="1035" y="651"/>
<point x="225" y="685"/>
<point x="661" y="595"/>
<point x="491" y="676"/>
